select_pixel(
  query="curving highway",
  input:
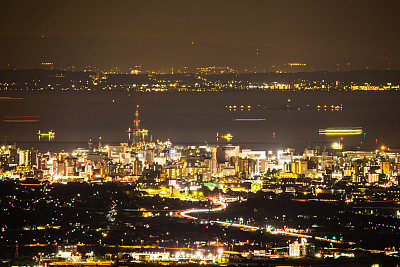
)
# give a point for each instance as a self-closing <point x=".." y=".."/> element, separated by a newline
<point x="185" y="213"/>
<point x="222" y="205"/>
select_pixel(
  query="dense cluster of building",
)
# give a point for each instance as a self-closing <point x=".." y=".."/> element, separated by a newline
<point x="203" y="79"/>
<point x="224" y="166"/>
<point x="182" y="172"/>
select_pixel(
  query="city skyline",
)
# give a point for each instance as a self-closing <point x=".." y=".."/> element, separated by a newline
<point x="199" y="133"/>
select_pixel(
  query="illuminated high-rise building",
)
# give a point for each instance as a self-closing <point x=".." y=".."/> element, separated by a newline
<point x="385" y="167"/>
<point x="295" y="249"/>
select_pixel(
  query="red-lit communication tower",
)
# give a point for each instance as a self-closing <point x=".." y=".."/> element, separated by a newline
<point x="134" y="135"/>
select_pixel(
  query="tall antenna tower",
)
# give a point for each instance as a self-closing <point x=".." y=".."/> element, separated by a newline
<point x="136" y="123"/>
<point x="134" y="134"/>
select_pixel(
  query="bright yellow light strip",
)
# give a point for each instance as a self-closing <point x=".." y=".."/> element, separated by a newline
<point x="340" y="131"/>
<point x="349" y="130"/>
<point x="249" y="120"/>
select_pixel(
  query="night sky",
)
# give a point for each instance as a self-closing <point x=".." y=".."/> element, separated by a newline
<point x="165" y="34"/>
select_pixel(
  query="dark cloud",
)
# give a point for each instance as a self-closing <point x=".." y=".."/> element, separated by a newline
<point x="312" y="30"/>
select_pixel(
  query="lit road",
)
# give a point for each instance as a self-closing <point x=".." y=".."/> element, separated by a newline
<point x="237" y="225"/>
<point x="278" y="232"/>
<point x="185" y="213"/>
<point x="283" y="232"/>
